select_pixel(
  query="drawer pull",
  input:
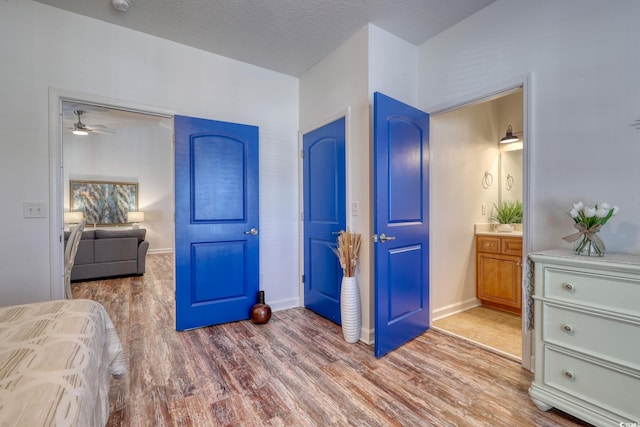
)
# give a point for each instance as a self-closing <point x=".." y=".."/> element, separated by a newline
<point x="567" y="286"/>
<point x="567" y="328"/>
<point x="568" y="374"/>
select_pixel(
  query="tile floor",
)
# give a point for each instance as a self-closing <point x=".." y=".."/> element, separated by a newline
<point x="493" y="329"/>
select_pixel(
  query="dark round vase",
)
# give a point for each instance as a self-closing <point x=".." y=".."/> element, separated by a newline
<point x="260" y="312"/>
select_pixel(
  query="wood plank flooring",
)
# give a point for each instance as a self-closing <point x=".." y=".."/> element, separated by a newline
<point x="296" y="370"/>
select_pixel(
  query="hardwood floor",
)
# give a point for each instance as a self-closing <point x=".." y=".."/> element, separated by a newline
<point x="296" y="370"/>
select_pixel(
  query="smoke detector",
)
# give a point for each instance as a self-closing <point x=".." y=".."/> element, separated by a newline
<point x="121" y="5"/>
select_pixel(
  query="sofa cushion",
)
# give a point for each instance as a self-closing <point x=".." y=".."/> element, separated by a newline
<point x="120" y="249"/>
<point x="138" y="233"/>
<point x="86" y="235"/>
<point x="85" y="253"/>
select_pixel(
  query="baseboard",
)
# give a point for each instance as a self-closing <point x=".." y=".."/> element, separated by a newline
<point x="367" y="336"/>
<point x="441" y="313"/>
<point x="284" y="304"/>
<point x="160" y="251"/>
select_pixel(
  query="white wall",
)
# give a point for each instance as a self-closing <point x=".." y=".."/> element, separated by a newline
<point x="40" y="49"/>
<point x="393" y="67"/>
<point x="582" y="56"/>
<point x="337" y="85"/>
<point x="142" y="154"/>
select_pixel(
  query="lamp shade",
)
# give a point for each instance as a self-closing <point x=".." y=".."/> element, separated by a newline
<point x="134" y="217"/>
<point x="73" y="217"/>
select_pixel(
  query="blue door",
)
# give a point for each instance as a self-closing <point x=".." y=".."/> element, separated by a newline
<point x="217" y="247"/>
<point x="324" y="216"/>
<point x="401" y="248"/>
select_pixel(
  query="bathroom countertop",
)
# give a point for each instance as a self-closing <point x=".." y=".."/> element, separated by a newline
<point x="514" y="233"/>
<point x="490" y="230"/>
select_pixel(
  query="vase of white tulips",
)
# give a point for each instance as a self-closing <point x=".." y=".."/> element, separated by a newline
<point x="588" y="220"/>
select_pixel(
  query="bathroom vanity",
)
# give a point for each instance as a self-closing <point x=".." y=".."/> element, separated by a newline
<point x="499" y="270"/>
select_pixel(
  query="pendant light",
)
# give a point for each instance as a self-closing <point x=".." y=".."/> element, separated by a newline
<point x="509" y="137"/>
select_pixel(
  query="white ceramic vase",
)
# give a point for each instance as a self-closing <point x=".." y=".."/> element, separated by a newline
<point x="350" y="309"/>
<point x="505" y="228"/>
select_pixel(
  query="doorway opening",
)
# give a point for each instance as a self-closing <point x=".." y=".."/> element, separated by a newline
<point x="123" y="144"/>
<point x="471" y="174"/>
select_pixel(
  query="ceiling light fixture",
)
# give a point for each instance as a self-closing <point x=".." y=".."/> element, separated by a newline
<point x="121" y="5"/>
<point x="509" y="137"/>
<point x="79" y="128"/>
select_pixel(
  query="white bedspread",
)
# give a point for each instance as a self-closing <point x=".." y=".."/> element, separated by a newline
<point x="56" y="359"/>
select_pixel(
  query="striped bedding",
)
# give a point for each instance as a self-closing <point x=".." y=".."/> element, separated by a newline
<point x="56" y="359"/>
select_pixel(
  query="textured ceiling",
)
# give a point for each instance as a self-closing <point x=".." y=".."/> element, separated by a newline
<point x="288" y="36"/>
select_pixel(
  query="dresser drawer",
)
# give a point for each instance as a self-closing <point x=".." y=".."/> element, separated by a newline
<point x="602" y="336"/>
<point x="598" y="290"/>
<point x="597" y="384"/>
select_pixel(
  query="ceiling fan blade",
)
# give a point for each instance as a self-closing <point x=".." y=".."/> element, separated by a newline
<point x="103" y="131"/>
<point x="100" y="129"/>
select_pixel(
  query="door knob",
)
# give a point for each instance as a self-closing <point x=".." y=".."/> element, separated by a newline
<point x="253" y="231"/>
<point x="382" y="238"/>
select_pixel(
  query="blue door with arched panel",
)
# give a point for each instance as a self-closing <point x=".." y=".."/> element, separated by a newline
<point x="216" y="221"/>
<point x="324" y="216"/>
<point x="401" y="203"/>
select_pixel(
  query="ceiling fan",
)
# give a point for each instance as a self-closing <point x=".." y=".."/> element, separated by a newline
<point x="80" y="128"/>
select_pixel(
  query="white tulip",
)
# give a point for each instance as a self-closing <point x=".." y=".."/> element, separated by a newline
<point x="615" y="210"/>
<point x="578" y="206"/>
<point x="589" y="212"/>
<point x="573" y="213"/>
<point x="601" y="212"/>
<point x="604" y="205"/>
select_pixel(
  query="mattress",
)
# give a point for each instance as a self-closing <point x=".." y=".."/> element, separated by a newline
<point x="56" y="360"/>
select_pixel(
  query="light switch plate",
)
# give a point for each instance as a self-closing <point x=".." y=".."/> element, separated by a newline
<point x="34" y="209"/>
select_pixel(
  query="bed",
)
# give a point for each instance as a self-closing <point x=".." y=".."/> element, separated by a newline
<point x="56" y="360"/>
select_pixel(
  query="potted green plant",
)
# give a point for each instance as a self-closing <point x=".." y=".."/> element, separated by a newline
<point x="506" y="214"/>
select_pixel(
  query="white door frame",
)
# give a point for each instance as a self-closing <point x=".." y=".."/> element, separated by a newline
<point x="56" y="172"/>
<point x="486" y="94"/>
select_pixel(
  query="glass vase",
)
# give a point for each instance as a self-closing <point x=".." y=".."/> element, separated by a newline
<point x="587" y="247"/>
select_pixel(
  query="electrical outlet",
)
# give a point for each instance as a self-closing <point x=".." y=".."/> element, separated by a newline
<point x="34" y="210"/>
<point x="484" y="209"/>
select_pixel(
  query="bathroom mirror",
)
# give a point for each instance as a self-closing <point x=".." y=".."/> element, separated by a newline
<point x="510" y="175"/>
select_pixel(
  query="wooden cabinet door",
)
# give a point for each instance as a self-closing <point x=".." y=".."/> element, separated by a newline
<point x="498" y="281"/>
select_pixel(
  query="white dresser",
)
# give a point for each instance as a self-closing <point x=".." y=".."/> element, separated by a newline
<point x="587" y="336"/>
